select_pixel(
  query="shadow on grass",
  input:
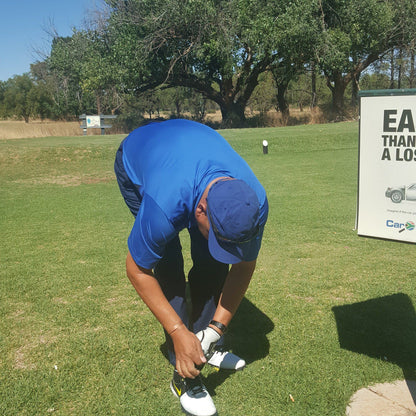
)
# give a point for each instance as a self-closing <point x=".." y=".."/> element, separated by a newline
<point x="246" y="337"/>
<point x="383" y="328"/>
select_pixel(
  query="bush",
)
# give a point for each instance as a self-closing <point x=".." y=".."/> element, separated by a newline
<point x="125" y="123"/>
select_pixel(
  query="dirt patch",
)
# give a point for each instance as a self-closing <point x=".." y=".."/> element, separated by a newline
<point x="20" y="360"/>
<point x="60" y="300"/>
<point x="307" y="299"/>
<point x="23" y="357"/>
<point x="67" y="180"/>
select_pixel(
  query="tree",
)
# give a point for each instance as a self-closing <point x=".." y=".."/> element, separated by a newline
<point x="23" y="97"/>
<point x="356" y="33"/>
<point x="263" y="98"/>
<point x="64" y="64"/>
<point x="81" y="65"/>
<point x="294" y="36"/>
<point x="3" y="109"/>
<point x="394" y="70"/>
<point x="374" y="81"/>
<point x="17" y="99"/>
<point x="97" y="76"/>
<point x="412" y="72"/>
<point x="40" y="102"/>
<point x="217" y="48"/>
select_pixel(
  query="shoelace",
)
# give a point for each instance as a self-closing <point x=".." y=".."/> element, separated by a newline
<point x="195" y="386"/>
<point x="220" y="350"/>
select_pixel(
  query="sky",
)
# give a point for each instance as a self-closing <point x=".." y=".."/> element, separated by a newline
<point x="24" y="25"/>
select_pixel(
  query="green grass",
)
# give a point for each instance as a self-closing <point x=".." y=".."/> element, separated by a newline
<point x="327" y="312"/>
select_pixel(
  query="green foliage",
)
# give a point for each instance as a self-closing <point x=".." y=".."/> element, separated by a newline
<point x="219" y="50"/>
<point x="353" y="30"/>
<point x="128" y="121"/>
<point x="22" y="97"/>
<point x="263" y="98"/>
<point x="357" y="33"/>
<point x="216" y="48"/>
<point x="299" y="91"/>
<point x="374" y="81"/>
<point x="40" y="102"/>
<point x="17" y="98"/>
<point x="83" y="70"/>
<point x="64" y="65"/>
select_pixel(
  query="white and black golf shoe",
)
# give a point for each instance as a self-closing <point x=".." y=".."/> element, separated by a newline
<point x="224" y="360"/>
<point x="193" y="396"/>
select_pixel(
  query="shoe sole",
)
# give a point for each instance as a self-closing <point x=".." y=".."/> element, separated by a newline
<point x="191" y="414"/>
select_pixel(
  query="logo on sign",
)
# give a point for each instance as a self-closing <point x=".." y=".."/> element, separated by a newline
<point x="400" y="226"/>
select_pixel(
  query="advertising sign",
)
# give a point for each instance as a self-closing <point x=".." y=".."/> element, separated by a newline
<point x="387" y="165"/>
<point x="93" y="122"/>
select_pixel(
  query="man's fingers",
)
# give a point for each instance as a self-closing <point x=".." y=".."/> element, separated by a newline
<point x="187" y="370"/>
<point x="179" y="368"/>
<point x="190" y="372"/>
<point x="193" y="372"/>
<point x="201" y="354"/>
<point x="189" y="354"/>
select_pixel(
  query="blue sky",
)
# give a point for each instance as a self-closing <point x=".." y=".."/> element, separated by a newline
<point x="22" y="29"/>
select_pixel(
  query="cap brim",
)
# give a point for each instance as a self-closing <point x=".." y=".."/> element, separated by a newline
<point x="231" y="253"/>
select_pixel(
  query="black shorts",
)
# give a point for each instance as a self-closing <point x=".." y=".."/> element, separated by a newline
<point x="128" y="189"/>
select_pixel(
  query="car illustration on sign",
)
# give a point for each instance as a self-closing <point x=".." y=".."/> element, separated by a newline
<point x="402" y="193"/>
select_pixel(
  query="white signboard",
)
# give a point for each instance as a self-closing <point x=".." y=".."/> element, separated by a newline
<point x="93" y="122"/>
<point x="387" y="165"/>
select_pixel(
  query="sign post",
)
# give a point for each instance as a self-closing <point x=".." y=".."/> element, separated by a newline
<point x="95" y="122"/>
<point x="386" y="206"/>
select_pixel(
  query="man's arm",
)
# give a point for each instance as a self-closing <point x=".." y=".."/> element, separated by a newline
<point x="188" y="350"/>
<point x="235" y="287"/>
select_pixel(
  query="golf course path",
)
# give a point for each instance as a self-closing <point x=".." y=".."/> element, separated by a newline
<point x="388" y="399"/>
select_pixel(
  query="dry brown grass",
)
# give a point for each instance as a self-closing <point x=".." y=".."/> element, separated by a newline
<point x="12" y="129"/>
<point x="68" y="180"/>
<point x="275" y="119"/>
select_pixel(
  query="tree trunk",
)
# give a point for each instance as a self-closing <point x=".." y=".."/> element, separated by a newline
<point x="337" y="87"/>
<point x="399" y="74"/>
<point x="236" y="91"/>
<point x="412" y="70"/>
<point x="355" y="89"/>
<point x="392" y="69"/>
<point x="98" y="101"/>
<point x="313" y="85"/>
<point x="282" y="102"/>
<point x="232" y="114"/>
<point x="338" y="98"/>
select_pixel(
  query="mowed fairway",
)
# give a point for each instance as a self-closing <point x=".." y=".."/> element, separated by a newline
<point x="327" y="312"/>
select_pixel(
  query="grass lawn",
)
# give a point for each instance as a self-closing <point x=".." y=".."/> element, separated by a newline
<point x="327" y="312"/>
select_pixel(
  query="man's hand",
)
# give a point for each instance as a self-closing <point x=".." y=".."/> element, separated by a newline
<point x="188" y="352"/>
<point x="209" y="338"/>
<point x="187" y="346"/>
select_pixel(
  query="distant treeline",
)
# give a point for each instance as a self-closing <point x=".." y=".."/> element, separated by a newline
<point x="137" y="58"/>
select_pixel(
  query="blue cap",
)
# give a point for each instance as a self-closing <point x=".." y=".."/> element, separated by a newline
<point x="233" y="213"/>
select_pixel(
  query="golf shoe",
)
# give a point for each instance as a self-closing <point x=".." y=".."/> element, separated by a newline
<point x="224" y="360"/>
<point x="193" y="396"/>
